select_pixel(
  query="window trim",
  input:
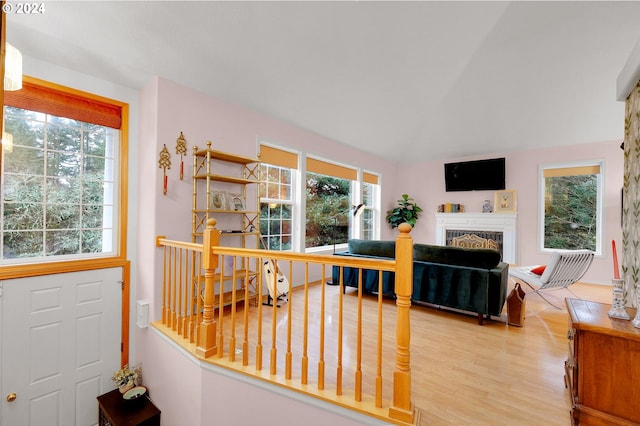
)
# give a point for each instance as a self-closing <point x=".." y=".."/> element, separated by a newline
<point x="289" y="202"/>
<point x="585" y="165"/>
<point x="330" y="168"/>
<point x="119" y="258"/>
<point x="370" y="178"/>
<point x="283" y="156"/>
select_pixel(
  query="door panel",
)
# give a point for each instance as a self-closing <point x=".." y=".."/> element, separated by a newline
<point x="60" y="346"/>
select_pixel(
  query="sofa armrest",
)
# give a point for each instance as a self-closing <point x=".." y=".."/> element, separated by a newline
<point x="370" y="280"/>
<point x="498" y="286"/>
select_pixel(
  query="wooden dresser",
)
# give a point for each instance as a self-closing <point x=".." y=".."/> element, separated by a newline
<point x="602" y="371"/>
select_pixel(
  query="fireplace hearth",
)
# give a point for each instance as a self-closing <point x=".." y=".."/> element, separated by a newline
<point x="499" y="227"/>
<point x="495" y="236"/>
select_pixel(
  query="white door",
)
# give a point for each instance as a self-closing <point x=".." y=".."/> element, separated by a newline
<point x="60" y="345"/>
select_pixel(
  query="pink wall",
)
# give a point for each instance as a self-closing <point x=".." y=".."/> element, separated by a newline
<point x="191" y="392"/>
<point x="231" y="129"/>
<point x="425" y="183"/>
<point x="166" y="109"/>
<point x="267" y="406"/>
<point x="173" y="378"/>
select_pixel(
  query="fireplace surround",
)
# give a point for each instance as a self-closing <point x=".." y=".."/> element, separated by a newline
<point x="486" y="225"/>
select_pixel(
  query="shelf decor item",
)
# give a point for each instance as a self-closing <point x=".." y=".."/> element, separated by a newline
<point x="164" y="163"/>
<point x="126" y="378"/>
<point x="617" y="306"/>
<point x="181" y="150"/>
<point x="505" y="201"/>
<point x="236" y="202"/>
<point x="218" y="200"/>
<point x="134" y="395"/>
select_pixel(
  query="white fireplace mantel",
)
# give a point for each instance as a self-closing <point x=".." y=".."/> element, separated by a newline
<point x="500" y="222"/>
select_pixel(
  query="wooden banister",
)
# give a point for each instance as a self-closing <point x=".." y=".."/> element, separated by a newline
<point x="402" y="407"/>
<point x="189" y="302"/>
<point x="207" y="328"/>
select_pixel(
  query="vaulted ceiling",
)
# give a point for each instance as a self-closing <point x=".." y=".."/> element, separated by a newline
<point x="408" y="81"/>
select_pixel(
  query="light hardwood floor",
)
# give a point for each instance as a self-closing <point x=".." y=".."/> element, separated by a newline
<point x="494" y="374"/>
<point x="462" y="373"/>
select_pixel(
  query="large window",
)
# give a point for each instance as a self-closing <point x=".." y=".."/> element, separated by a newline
<point x="572" y="206"/>
<point x="60" y="176"/>
<point x="329" y="201"/>
<point x="368" y="221"/>
<point x="277" y="195"/>
<point x="370" y="194"/>
<point x="328" y="212"/>
<point x="315" y="209"/>
<point x="276" y="206"/>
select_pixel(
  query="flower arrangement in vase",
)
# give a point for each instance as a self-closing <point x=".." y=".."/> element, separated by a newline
<point x="126" y="378"/>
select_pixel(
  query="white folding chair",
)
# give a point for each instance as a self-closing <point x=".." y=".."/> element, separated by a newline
<point x="564" y="268"/>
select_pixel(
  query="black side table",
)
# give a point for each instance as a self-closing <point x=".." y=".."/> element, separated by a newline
<point x="113" y="410"/>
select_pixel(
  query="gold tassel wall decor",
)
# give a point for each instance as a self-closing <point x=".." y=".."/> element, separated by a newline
<point x="181" y="150"/>
<point x="164" y="163"/>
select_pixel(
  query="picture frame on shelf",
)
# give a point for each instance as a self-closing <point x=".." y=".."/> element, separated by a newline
<point x="505" y="201"/>
<point x="236" y="202"/>
<point x="218" y="200"/>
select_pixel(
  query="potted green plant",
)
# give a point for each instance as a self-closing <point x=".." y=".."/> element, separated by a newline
<point x="407" y="211"/>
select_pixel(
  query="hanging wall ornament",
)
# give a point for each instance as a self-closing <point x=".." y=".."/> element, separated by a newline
<point x="181" y="150"/>
<point x="164" y="163"/>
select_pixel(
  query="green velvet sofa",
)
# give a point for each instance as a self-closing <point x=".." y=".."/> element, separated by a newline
<point x="472" y="280"/>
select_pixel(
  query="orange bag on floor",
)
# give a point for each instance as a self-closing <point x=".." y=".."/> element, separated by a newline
<point x="515" y="306"/>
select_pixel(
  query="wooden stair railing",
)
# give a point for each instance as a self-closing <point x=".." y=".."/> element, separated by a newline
<point x="190" y="304"/>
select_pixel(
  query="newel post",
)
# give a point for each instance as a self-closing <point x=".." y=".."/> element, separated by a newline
<point x="402" y="407"/>
<point x="207" y="328"/>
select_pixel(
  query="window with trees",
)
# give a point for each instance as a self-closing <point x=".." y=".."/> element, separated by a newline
<point x="276" y="206"/>
<point x="329" y="199"/>
<point x="572" y="206"/>
<point x="60" y="174"/>
<point x="278" y="172"/>
<point x="327" y="193"/>
<point x="370" y="194"/>
<point x="328" y="213"/>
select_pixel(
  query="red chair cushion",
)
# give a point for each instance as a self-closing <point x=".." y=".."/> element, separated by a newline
<point x="538" y="270"/>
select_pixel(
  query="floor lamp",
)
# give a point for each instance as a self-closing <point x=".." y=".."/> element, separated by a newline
<point x="357" y="211"/>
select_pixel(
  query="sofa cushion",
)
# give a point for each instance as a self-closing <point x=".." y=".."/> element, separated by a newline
<point x="475" y="258"/>
<point x="539" y="270"/>
<point x="373" y="248"/>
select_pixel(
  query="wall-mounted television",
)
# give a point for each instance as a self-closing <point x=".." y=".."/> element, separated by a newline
<point x="475" y="175"/>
